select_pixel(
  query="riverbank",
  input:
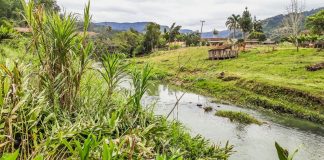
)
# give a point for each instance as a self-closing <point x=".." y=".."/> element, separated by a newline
<point x="276" y="80"/>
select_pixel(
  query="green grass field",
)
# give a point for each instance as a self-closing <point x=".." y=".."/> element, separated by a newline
<point x="274" y="80"/>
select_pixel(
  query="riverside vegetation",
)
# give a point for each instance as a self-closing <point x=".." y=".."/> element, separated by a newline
<point x="238" y="117"/>
<point x="56" y="103"/>
<point x="277" y="81"/>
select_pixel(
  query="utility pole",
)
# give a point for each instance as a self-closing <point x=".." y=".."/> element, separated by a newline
<point x="202" y="25"/>
<point x="201" y="30"/>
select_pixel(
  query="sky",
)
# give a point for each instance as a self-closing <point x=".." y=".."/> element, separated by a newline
<point x="187" y="13"/>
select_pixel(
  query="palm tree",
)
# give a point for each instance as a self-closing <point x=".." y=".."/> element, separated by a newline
<point x="232" y="23"/>
<point x="171" y="34"/>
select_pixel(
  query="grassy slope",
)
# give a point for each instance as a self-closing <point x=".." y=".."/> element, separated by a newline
<point x="275" y="80"/>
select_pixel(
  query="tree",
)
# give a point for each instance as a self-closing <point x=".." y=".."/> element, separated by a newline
<point x="257" y="30"/>
<point x="10" y="9"/>
<point x="151" y="37"/>
<point x="293" y="21"/>
<point x="192" y="39"/>
<point x="246" y="22"/>
<point x="172" y="33"/>
<point x="126" y="42"/>
<point x="316" y="22"/>
<point x="49" y="5"/>
<point x="257" y="25"/>
<point x="232" y="23"/>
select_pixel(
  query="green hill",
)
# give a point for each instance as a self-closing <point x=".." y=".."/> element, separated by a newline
<point x="273" y="23"/>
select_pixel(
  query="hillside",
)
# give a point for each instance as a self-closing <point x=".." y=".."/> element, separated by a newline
<point x="272" y="23"/>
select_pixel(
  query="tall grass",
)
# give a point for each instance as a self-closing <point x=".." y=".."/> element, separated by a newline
<point x="62" y="52"/>
<point x="59" y="108"/>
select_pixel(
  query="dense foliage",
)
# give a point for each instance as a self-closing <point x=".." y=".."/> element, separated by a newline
<point x="10" y="9"/>
<point x="316" y="22"/>
<point x="257" y="30"/>
<point x="192" y="39"/>
<point x="151" y="37"/>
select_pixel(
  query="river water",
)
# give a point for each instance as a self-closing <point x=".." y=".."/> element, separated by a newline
<point x="251" y="142"/>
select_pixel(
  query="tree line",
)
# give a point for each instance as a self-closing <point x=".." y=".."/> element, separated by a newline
<point x="132" y="42"/>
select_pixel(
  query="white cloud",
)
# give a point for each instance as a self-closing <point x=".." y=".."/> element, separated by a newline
<point x="187" y="13"/>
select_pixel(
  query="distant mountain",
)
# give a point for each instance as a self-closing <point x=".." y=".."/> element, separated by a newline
<point x="272" y="23"/>
<point x="138" y="26"/>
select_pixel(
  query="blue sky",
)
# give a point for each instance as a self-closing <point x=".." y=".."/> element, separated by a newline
<point x="187" y="13"/>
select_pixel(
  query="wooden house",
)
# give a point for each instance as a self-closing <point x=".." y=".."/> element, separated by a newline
<point x="222" y="52"/>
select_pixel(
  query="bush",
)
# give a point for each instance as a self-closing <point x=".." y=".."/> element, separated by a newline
<point x="6" y="33"/>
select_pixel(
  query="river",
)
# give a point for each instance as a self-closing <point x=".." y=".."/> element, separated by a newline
<point x="251" y="142"/>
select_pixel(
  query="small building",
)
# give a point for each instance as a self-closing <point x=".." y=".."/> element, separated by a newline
<point x="215" y="41"/>
<point x="252" y="42"/>
<point x="222" y="52"/>
<point x="269" y="42"/>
